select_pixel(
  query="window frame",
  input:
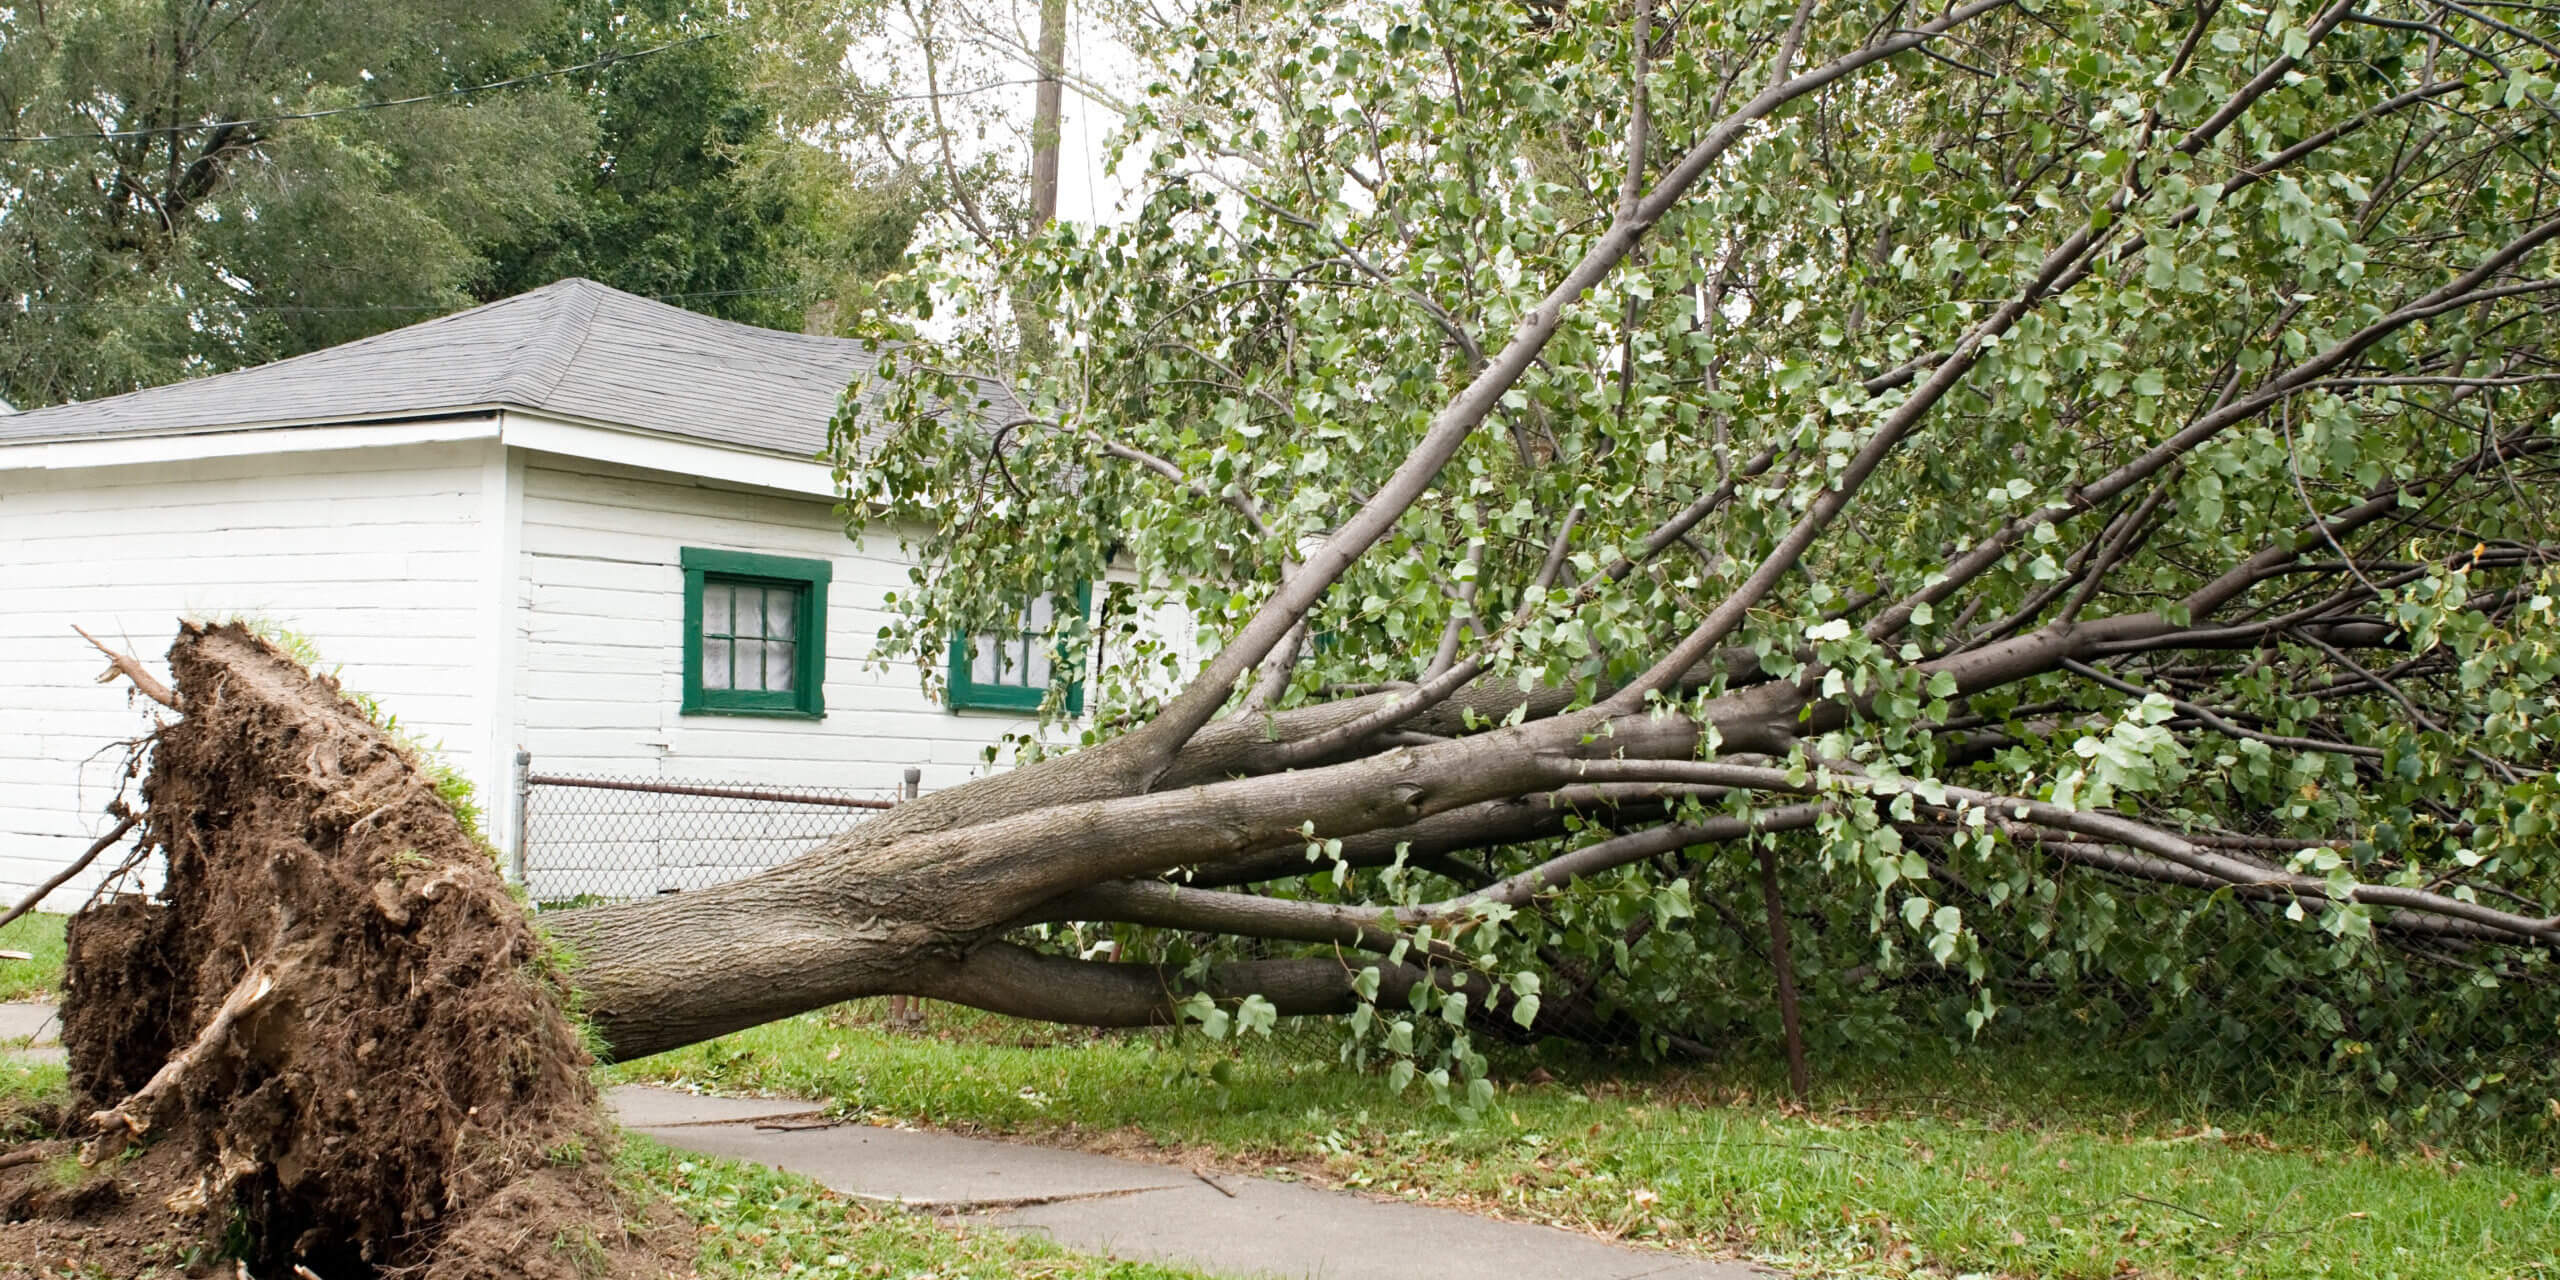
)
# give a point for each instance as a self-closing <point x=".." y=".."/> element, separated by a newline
<point x="963" y="693"/>
<point x="806" y="699"/>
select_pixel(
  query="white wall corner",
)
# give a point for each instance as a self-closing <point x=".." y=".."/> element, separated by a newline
<point x="501" y="537"/>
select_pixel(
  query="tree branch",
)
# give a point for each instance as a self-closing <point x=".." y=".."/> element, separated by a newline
<point x="1197" y="704"/>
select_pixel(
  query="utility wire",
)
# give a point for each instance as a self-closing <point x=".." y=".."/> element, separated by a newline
<point x="111" y="135"/>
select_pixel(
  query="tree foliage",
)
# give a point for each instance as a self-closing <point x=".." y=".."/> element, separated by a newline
<point x="720" y="175"/>
<point x="141" y="259"/>
<point x="2073" y="480"/>
<point x="148" y="240"/>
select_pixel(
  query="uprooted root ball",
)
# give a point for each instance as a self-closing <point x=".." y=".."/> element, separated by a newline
<point x="331" y="1041"/>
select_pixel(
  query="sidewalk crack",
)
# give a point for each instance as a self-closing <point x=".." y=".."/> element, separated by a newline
<point x="966" y="1208"/>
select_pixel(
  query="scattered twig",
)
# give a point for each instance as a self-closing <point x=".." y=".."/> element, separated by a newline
<point x="131" y="668"/>
<point x="2179" y="1208"/>
<point x="77" y="866"/>
<point x="1214" y="1184"/>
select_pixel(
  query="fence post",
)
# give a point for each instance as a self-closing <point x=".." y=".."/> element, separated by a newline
<point x="907" y="1011"/>
<point x="524" y="796"/>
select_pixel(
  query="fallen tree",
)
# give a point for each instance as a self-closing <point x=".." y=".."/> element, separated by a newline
<point x="2058" y="500"/>
<point x="1991" y="462"/>
<point x="1950" y="476"/>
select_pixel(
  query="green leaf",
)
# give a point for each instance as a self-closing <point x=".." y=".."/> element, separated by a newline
<point x="1453" y="1008"/>
<point x="1256" y="1016"/>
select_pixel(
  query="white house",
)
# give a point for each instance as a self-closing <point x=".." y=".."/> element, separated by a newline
<point x="574" y="522"/>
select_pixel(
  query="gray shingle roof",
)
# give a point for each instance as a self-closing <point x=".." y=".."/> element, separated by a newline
<point x="575" y="348"/>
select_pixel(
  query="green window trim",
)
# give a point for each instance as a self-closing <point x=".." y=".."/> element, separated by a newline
<point x="806" y="698"/>
<point x="968" y="694"/>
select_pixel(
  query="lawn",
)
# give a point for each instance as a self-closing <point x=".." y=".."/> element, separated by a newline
<point x="40" y="935"/>
<point x="1953" y="1166"/>
<point x="1971" y="1166"/>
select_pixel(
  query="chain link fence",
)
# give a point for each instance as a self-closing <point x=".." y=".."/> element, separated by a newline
<point x="593" y="838"/>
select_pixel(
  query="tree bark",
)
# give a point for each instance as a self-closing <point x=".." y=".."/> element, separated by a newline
<point x="1048" y="112"/>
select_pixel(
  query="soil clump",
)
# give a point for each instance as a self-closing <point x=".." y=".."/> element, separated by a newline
<point x="331" y="1046"/>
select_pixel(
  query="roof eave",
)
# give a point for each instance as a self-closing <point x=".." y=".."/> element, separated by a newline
<point x="567" y="435"/>
<point x="431" y="413"/>
<point x="64" y="453"/>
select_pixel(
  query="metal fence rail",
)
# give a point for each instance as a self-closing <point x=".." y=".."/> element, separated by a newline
<point x="587" y="838"/>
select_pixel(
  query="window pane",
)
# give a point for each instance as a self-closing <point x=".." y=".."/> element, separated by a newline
<point x="982" y="660"/>
<point x="1043" y="612"/>
<point x="1035" y="666"/>
<point x="715" y="658"/>
<point x="715" y="610"/>
<point x="778" y="656"/>
<point x="781" y="610"/>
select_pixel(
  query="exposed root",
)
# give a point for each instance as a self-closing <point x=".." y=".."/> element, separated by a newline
<point x="329" y="1044"/>
<point x="130" y="1119"/>
<point x="131" y="668"/>
<point x="63" y="877"/>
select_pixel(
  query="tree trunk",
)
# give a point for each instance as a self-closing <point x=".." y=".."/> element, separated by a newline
<point x="1048" y="111"/>
<point x="918" y="901"/>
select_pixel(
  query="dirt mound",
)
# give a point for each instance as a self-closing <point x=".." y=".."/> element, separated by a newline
<point x="331" y="1040"/>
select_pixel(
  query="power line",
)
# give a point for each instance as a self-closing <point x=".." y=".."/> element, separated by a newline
<point x="112" y="135"/>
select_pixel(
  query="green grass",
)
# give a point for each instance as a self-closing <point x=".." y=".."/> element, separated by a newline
<point x="39" y="934"/>
<point x="22" y="1081"/>
<point x="1949" y="1166"/>
<point x="754" y="1222"/>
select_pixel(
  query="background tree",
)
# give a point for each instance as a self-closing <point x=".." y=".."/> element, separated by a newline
<point x="2069" y="481"/>
<point x="167" y="248"/>
<point x="715" y="156"/>
<point x="738" y="175"/>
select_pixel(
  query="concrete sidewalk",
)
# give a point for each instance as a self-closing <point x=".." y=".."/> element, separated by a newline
<point x="1234" y="1225"/>
<point x="30" y="1032"/>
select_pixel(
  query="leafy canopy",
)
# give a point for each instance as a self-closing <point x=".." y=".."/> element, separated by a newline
<point x="2093" y="319"/>
<point x="720" y="172"/>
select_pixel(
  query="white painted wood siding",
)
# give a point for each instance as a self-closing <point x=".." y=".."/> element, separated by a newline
<point x="378" y="556"/>
<point x="600" y="685"/>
